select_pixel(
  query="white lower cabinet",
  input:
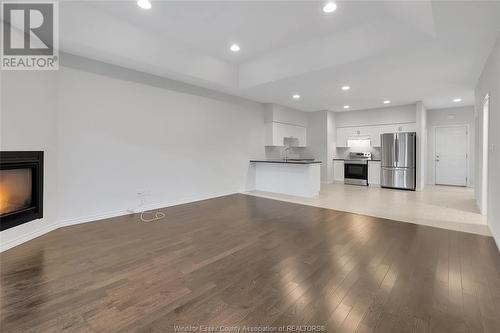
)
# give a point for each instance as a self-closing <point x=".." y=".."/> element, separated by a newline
<point x="374" y="172"/>
<point x="338" y="171"/>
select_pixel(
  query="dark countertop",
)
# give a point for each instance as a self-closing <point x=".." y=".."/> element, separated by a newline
<point x="343" y="159"/>
<point x="289" y="161"/>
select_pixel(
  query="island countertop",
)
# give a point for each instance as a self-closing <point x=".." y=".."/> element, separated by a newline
<point x="300" y="177"/>
<point x="288" y="161"/>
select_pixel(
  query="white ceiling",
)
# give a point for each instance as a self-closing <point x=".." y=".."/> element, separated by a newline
<point x="409" y="51"/>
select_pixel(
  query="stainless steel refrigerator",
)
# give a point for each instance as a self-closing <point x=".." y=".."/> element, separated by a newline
<point x="399" y="160"/>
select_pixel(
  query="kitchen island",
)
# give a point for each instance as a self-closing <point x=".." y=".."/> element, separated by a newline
<point x="300" y="177"/>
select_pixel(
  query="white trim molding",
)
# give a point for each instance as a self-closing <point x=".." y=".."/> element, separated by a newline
<point x="27" y="237"/>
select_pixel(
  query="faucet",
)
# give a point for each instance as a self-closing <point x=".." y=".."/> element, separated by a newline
<point x="287" y="148"/>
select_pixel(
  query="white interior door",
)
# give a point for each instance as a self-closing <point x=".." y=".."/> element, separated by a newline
<point x="451" y="155"/>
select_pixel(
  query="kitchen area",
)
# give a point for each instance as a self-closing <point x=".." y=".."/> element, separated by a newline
<point x="375" y="148"/>
<point x="378" y="162"/>
<point x="395" y="168"/>
<point x="289" y="167"/>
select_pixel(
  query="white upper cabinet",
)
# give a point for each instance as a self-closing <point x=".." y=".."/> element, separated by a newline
<point x="344" y="134"/>
<point x="298" y="135"/>
<point x="395" y="128"/>
<point x="410" y="127"/>
<point x="285" y="123"/>
<point x="375" y="132"/>
<point x="276" y="133"/>
<point x="371" y="133"/>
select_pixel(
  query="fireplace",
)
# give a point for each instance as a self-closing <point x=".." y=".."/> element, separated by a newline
<point x="21" y="187"/>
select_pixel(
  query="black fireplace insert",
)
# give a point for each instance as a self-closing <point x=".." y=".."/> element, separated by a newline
<point x="21" y="187"/>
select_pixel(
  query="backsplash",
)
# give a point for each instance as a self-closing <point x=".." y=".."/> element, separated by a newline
<point x="273" y="152"/>
<point x="343" y="153"/>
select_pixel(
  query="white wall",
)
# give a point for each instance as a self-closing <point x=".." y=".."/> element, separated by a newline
<point x="28" y="121"/>
<point x="421" y="118"/>
<point x="331" y="133"/>
<point x="445" y="117"/>
<point x="489" y="83"/>
<point x="110" y="132"/>
<point x="119" y="137"/>
<point x="317" y="140"/>
<point x="379" y="116"/>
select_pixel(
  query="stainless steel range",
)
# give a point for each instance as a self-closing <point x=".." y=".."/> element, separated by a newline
<point x="356" y="169"/>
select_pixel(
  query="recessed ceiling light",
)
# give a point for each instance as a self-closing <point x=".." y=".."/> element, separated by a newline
<point x="144" y="4"/>
<point x="387" y="102"/>
<point x="235" y="48"/>
<point x="456" y="100"/>
<point x="345" y="88"/>
<point x="346" y="106"/>
<point x="296" y="96"/>
<point x="329" y="7"/>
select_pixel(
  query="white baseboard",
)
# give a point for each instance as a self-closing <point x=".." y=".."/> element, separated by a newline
<point x="496" y="237"/>
<point x="4" y="246"/>
<point x="165" y="204"/>
<point x="92" y="218"/>
<point x="105" y="215"/>
<point x="158" y="205"/>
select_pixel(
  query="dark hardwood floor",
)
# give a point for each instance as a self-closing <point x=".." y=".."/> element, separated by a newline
<point x="241" y="260"/>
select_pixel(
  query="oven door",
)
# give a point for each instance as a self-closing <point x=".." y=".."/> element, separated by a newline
<point x="356" y="173"/>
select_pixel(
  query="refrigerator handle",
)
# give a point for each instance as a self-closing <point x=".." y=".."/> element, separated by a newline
<point x="396" y="150"/>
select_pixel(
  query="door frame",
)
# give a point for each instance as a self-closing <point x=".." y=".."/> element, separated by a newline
<point x="485" y="154"/>
<point x="467" y="149"/>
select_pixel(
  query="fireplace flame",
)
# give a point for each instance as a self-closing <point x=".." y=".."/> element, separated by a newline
<point x="4" y="198"/>
<point x="15" y="190"/>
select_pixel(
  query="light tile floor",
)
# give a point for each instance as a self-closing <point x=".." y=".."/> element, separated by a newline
<point x="437" y="206"/>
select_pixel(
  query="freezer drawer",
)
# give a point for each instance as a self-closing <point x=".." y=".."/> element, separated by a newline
<point x="402" y="178"/>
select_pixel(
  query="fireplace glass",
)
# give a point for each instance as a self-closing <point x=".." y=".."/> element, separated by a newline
<point x="15" y="190"/>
